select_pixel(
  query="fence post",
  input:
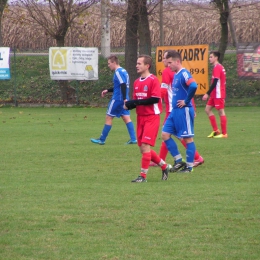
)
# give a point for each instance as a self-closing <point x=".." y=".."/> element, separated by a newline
<point x="15" y="98"/>
<point x="77" y="92"/>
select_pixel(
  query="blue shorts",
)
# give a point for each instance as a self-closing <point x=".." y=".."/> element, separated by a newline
<point x="115" y="109"/>
<point x="180" y="122"/>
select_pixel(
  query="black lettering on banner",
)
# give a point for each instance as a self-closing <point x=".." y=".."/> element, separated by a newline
<point x="185" y="55"/>
<point x="202" y="53"/>
<point x="180" y="51"/>
<point x="202" y="85"/>
<point x="160" y="55"/>
<point x="192" y="54"/>
<point x="196" y="54"/>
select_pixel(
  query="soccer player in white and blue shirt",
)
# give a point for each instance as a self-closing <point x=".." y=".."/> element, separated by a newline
<point x="180" y="122"/>
<point x="116" y="104"/>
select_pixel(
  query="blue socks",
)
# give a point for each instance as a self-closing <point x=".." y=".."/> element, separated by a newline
<point x="190" y="154"/>
<point x="105" y="132"/>
<point x="172" y="147"/>
<point x="131" y="130"/>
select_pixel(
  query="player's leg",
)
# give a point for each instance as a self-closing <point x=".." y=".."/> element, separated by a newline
<point x="163" y="149"/>
<point x="185" y="129"/>
<point x="160" y="162"/>
<point x="168" y="130"/>
<point x="190" y="154"/>
<point x="223" y="118"/>
<point x="147" y="131"/>
<point x="130" y="127"/>
<point x="145" y="151"/>
<point x="112" y="111"/>
<point x="106" y="129"/>
<point x="198" y="159"/>
<point x="151" y="131"/>
<point x="208" y="109"/>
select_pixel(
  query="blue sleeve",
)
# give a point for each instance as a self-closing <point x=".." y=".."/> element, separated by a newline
<point x="191" y="92"/>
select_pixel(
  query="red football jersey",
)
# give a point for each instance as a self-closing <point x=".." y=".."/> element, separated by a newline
<point x="145" y="88"/>
<point x="166" y="88"/>
<point x="220" y="90"/>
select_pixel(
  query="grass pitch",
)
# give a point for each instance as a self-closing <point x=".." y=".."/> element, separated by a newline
<point x="63" y="197"/>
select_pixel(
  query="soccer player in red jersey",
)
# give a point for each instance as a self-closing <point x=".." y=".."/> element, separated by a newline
<point x="147" y="101"/>
<point x="166" y="93"/>
<point x="217" y="95"/>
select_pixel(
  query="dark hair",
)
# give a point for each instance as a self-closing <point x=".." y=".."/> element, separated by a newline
<point x="173" y="54"/>
<point x="215" y="53"/>
<point x="147" y="59"/>
<point x="113" y="58"/>
<point x="165" y="51"/>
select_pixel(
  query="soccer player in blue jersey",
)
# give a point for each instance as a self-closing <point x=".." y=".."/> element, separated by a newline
<point x="116" y="105"/>
<point x="180" y="122"/>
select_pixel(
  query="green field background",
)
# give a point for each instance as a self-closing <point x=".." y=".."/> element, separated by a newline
<point x="63" y="197"/>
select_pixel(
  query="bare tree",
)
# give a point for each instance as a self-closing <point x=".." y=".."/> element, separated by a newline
<point x="55" y="17"/>
<point x="223" y="8"/>
<point x="131" y="40"/>
<point x="2" y="7"/>
<point x="144" y="29"/>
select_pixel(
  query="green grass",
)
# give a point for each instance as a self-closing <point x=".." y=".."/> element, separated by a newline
<point x="63" y="197"/>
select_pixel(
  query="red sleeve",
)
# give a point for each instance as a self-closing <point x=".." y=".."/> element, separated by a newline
<point x="163" y="92"/>
<point x="193" y="104"/>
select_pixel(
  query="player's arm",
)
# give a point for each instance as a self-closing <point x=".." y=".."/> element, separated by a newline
<point x="213" y="85"/>
<point x="137" y="102"/>
<point x="191" y="91"/>
<point x="193" y="104"/>
<point x="164" y="89"/>
<point x="106" y="90"/>
<point x="123" y="90"/>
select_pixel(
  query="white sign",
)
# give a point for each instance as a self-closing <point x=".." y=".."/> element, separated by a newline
<point x="73" y="63"/>
<point x="4" y="63"/>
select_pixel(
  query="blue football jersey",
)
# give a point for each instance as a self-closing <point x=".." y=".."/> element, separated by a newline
<point x="180" y="87"/>
<point x="120" y="76"/>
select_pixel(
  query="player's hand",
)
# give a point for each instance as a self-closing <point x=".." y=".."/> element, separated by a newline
<point x="130" y="104"/>
<point x="103" y="93"/>
<point x="181" y="103"/>
<point x="205" y="97"/>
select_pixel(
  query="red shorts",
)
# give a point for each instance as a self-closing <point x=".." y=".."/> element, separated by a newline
<point x="147" y="129"/>
<point x="218" y="103"/>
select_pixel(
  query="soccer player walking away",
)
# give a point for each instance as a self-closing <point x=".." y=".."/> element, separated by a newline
<point x="166" y="93"/>
<point x="180" y="122"/>
<point x="147" y="101"/>
<point x="116" y="105"/>
<point x="217" y="95"/>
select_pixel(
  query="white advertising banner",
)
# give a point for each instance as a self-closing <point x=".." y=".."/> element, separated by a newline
<point x="4" y="63"/>
<point x="73" y="63"/>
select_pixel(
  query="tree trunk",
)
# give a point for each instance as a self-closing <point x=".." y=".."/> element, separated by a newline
<point x="144" y="30"/>
<point x="105" y="29"/>
<point x="224" y="35"/>
<point x="2" y="7"/>
<point x="131" y="40"/>
<point x="232" y="30"/>
<point x="223" y="7"/>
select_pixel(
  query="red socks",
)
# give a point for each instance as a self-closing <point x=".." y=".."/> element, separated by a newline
<point x="223" y="122"/>
<point x="213" y="122"/>
<point x="163" y="151"/>
<point x="146" y="158"/>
